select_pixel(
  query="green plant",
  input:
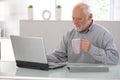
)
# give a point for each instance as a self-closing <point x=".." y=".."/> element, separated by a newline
<point x="58" y="6"/>
<point x="30" y="6"/>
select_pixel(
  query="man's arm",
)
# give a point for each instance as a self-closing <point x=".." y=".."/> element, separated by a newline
<point x="60" y="54"/>
<point x="108" y="53"/>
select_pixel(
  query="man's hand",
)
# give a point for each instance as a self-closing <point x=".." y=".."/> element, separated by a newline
<point x="85" y="45"/>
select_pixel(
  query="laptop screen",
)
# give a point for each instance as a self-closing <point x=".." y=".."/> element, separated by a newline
<point x="29" y="49"/>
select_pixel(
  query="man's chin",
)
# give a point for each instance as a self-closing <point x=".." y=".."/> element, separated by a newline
<point x="78" y="30"/>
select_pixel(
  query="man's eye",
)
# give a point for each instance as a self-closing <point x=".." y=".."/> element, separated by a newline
<point x="77" y="18"/>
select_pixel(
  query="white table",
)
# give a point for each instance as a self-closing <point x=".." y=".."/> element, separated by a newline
<point x="8" y="70"/>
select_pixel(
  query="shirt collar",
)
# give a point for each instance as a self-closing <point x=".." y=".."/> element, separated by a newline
<point x="91" y="26"/>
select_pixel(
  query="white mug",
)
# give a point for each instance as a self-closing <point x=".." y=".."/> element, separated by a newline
<point x="76" y="45"/>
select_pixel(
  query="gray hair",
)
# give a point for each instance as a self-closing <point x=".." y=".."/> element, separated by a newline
<point x="85" y="7"/>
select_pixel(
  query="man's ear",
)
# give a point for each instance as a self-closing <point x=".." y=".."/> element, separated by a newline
<point x="90" y="16"/>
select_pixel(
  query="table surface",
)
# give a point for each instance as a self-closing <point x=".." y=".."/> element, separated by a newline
<point x="10" y="71"/>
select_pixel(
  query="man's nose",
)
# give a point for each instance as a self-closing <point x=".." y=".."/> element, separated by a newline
<point x="76" y="20"/>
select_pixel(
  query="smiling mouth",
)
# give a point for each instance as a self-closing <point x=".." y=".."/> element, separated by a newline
<point x="78" y="26"/>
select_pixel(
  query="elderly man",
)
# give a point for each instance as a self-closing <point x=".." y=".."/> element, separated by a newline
<point x="97" y="45"/>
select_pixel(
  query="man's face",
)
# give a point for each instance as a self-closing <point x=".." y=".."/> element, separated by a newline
<point x="80" y="19"/>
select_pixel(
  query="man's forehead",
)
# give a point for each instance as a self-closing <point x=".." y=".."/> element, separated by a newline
<point x="77" y="15"/>
<point x="77" y="12"/>
<point x="77" y="8"/>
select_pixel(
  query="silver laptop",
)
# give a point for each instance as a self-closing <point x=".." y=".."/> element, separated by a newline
<point x="30" y="53"/>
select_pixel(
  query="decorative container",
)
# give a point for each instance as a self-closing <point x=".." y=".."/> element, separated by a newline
<point x="58" y="12"/>
<point x="30" y="12"/>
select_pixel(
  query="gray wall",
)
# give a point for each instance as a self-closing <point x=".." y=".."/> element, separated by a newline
<point x="52" y="31"/>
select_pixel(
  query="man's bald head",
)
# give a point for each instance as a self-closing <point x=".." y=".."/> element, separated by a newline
<point x="84" y="7"/>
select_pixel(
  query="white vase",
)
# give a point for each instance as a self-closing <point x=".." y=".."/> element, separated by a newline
<point x="30" y="13"/>
<point x="58" y="14"/>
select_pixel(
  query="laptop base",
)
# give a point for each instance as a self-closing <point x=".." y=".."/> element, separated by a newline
<point x="32" y="65"/>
